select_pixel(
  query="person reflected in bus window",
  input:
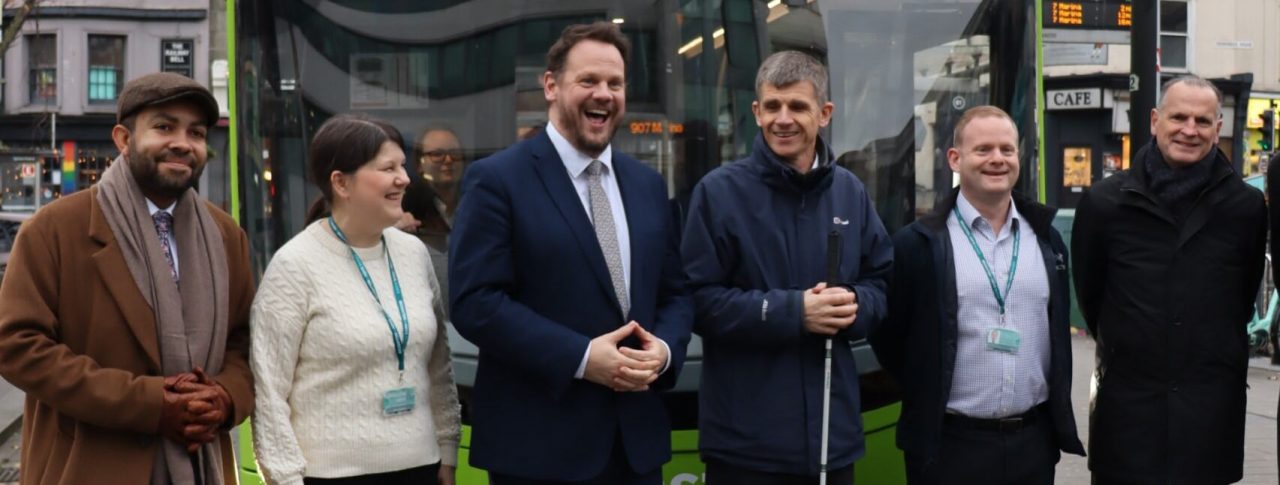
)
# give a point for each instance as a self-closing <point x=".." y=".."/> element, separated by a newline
<point x="349" y="350"/>
<point x="527" y="132"/>
<point x="441" y="162"/>
<point x="424" y="215"/>
<point x="571" y="287"/>
<point x="984" y="355"/>
<point x="1168" y="257"/>
<point x="754" y="248"/>
<point x="124" y="311"/>
<point x="424" y="219"/>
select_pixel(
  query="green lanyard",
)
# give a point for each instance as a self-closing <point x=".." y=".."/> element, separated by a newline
<point x="398" y="338"/>
<point x="991" y="276"/>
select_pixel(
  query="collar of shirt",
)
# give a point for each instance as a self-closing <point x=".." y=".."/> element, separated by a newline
<point x="575" y="161"/>
<point x="815" y="162"/>
<point x="152" y="208"/>
<point x="971" y="215"/>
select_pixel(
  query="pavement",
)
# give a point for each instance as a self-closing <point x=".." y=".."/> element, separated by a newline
<point x="1260" y="418"/>
<point x="10" y="438"/>
<point x="1260" y="467"/>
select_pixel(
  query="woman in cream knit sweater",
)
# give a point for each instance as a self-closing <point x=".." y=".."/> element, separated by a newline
<point x="350" y="354"/>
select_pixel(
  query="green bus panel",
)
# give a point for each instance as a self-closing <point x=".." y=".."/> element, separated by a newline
<point x="882" y="465"/>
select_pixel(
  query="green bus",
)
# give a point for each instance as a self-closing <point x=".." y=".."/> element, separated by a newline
<point x="902" y="72"/>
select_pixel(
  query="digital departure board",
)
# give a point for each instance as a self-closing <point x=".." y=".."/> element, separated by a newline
<point x="1088" y="14"/>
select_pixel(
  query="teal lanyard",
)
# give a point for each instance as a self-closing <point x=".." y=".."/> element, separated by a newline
<point x="991" y="276"/>
<point x="399" y="338"/>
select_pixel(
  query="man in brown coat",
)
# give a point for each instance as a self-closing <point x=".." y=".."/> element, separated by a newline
<point x="124" y="311"/>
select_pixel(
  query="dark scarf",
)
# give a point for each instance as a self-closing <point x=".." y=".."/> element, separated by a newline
<point x="191" y="318"/>
<point x="1177" y="188"/>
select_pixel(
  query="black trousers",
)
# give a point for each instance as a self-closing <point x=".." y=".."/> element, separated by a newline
<point x="423" y="475"/>
<point x="616" y="472"/>
<point x="1105" y="480"/>
<point x="972" y="454"/>
<point x="721" y="473"/>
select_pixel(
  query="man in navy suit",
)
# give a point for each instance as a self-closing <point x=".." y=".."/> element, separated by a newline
<point x="565" y="273"/>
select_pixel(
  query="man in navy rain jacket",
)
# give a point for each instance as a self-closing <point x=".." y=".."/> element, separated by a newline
<point x="754" y="249"/>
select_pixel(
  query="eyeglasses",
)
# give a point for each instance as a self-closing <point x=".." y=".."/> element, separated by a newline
<point x="438" y="156"/>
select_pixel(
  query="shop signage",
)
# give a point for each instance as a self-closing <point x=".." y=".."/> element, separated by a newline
<point x="1234" y="44"/>
<point x="1075" y="54"/>
<point x="176" y="56"/>
<point x="1088" y="98"/>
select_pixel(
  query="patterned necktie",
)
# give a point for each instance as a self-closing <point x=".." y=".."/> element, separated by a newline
<point x="164" y="226"/>
<point x="602" y="217"/>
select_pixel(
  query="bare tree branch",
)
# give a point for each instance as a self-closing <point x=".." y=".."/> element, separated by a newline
<point x="15" y="25"/>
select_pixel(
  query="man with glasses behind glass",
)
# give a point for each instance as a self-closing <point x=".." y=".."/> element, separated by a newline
<point x="441" y="161"/>
<point x="431" y="197"/>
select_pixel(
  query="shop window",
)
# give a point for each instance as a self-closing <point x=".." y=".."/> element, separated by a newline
<point x="42" y="77"/>
<point x="1077" y="168"/>
<point x="1174" y="35"/>
<point x="106" y="67"/>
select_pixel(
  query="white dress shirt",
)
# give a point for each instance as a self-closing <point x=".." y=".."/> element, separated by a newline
<point x="152" y="209"/>
<point x="575" y="162"/>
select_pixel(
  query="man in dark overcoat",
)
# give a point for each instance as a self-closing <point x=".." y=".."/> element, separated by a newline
<point x="1168" y="257"/>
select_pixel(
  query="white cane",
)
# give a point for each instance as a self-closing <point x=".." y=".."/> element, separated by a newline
<point x="833" y="278"/>
<point x="826" y="416"/>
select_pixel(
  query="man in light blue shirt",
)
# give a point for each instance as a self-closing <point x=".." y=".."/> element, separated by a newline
<point x="977" y="328"/>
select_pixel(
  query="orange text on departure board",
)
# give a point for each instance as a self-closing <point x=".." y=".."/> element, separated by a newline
<point x="1067" y="13"/>
<point x="655" y="127"/>
<point x="1124" y="17"/>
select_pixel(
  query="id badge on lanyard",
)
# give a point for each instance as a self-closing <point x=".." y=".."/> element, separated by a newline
<point x="1000" y="338"/>
<point x="1006" y="340"/>
<point x="398" y="400"/>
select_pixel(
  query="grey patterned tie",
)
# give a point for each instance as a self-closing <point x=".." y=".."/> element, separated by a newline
<point x="606" y="234"/>
<point x="164" y="226"/>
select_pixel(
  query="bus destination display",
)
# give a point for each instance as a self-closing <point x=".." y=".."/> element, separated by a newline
<point x="1088" y="14"/>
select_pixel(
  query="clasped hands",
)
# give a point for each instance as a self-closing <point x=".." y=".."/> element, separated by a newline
<point x="194" y="409"/>
<point x="828" y="310"/>
<point x="625" y="369"/>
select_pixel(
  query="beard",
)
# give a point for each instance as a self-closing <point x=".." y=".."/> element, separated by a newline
<point x="146" y="171"/>
<point x="577" y="135"/>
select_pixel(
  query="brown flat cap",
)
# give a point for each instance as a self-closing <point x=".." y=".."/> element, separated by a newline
<point x="163" y="87"/>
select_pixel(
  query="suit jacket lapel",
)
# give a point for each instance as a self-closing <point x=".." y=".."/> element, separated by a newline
<point x="555" y="179"/>
<point x="119" y="281"/>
